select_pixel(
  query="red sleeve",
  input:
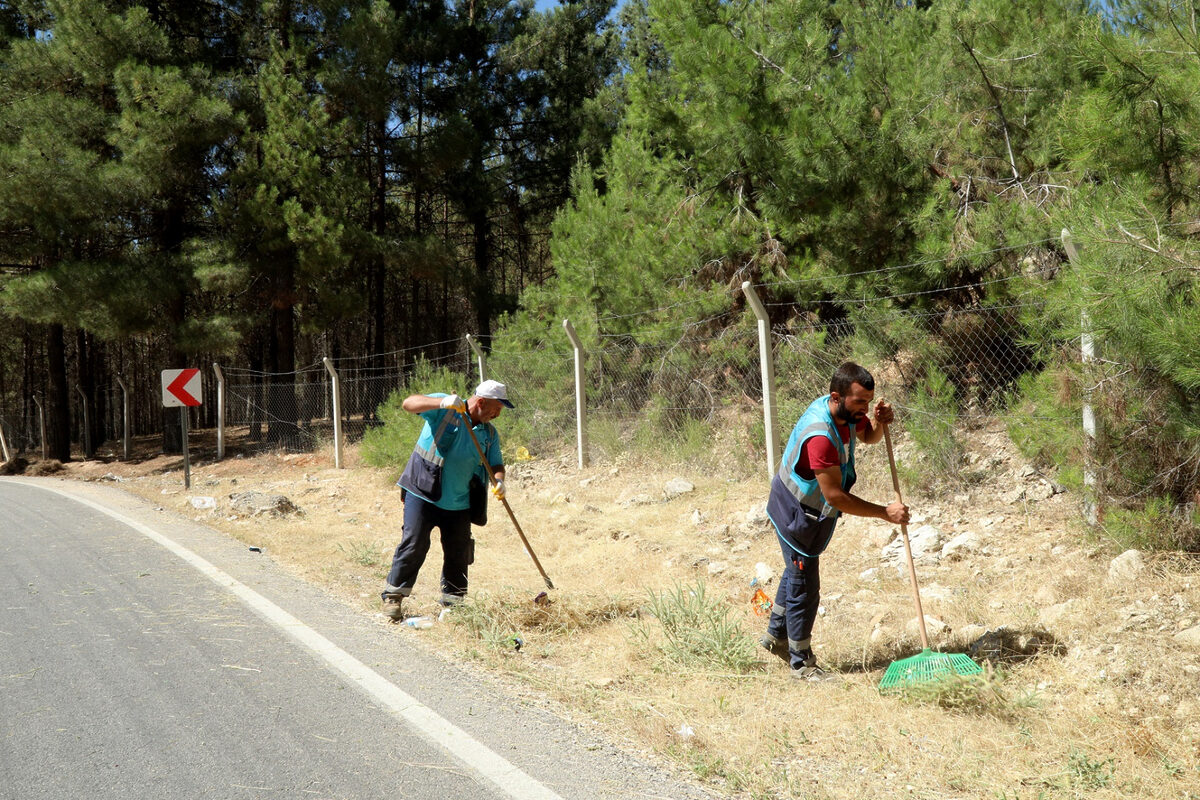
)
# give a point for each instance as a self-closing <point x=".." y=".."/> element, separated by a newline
<point x="816" y="453"/>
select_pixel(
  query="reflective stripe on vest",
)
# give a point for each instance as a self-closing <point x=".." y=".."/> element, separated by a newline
<point x="431" y="454"/>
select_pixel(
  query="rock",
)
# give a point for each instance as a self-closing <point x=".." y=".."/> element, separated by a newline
<point x="1042" y="490"/>
<point x="1015" y="496"/>
<point x="758" y="515"/>
<point x="869" y="574"/>
<point x="676" y="487"/>
<point x="763" y="573"/>
<point x="740" y="547"/>
<point x="697" y="517"/>
<point x="256" y="503"/>
<point x="1054" y="614"/>
<point x="926" y="544"/>
<point x="203" y="502"/>
<point x="962" y="544"/>
<point x="933" y="626"/>
<point x="717" y="567"/>
<point x="1127" y="566"/>
<point x="1189" y="637"/>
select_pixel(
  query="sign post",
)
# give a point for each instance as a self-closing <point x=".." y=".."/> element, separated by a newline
<point x="181" y="389"/>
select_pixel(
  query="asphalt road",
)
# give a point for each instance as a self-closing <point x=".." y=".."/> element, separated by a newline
<point x="143" y="655"/>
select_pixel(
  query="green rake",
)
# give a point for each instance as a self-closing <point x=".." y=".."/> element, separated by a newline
<point x="926" y="666"/>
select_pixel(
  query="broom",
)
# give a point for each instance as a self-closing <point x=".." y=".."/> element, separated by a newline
<point x="927" y="666"/>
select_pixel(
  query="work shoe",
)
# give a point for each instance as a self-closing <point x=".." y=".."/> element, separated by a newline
<point x="776" y="647"/>
<point x="812" y="674"/>
<point x="391" y="609"/>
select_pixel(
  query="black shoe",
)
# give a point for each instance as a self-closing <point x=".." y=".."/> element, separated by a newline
<point x="391" y="609"/>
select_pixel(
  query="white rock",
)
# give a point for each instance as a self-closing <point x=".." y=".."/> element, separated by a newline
<point x="1127" y="566"/>
<point x="697" y="517"/>
<point x="926" y="544"/>
<point x="676" y="487"/>
<point x="962" y="544"/>
<point x="740" y="547"/>
<point x="933" y="626"/>
<point x="758" y="515"/>
<point x="716" y="567"/>
<point x="869" y="574"/>
<point x="1189" y="637"/>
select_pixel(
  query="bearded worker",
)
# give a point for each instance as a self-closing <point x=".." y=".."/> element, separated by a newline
<point x="810" y="490"/>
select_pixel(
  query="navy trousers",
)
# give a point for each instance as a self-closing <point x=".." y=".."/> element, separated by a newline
<point x="796" y="601"/>
<point x="420" y="518"/>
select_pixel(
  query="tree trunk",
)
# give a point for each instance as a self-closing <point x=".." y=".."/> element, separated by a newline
<point x="58" y="406"/>
<point x="282" y="413"/>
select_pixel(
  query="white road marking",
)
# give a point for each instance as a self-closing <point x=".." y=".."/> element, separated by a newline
<point x="475" y="755"/>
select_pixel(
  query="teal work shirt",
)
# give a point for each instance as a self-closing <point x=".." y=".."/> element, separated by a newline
<point x="460" y="458"/>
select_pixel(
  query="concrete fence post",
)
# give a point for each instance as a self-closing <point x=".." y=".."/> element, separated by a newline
<point x="220" y="410"/>
<point x="766" y="360"/>
<point x="580" y="395"/>
<point x="125" y="448"/>
<point x="1088" y="356"/>
<point x="480" y="358"/>
<point x="336" y="391"/>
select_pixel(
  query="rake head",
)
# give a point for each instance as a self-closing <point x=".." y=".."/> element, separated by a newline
<point x="924" y="668"/>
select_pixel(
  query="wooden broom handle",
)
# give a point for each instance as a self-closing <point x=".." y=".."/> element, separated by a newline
<point x="912" y="568"/>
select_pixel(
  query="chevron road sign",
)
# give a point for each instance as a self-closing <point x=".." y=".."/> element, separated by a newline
<point x="181" y="387"/>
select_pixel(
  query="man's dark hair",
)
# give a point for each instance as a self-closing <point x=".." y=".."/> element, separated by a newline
<point x="849" y="374"/>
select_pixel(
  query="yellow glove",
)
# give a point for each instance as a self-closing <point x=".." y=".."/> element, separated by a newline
<point x="454" y="403"/>
<point x="498" y="489"/>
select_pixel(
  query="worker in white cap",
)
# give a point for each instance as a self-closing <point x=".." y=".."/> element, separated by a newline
<point x="436" y="488"/>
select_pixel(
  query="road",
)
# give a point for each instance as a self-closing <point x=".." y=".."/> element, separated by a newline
<point x="144" y="655"/>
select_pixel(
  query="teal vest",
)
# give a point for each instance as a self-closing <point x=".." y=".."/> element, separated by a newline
<point x="816" y="421"/>
<point x="802" y="518"/>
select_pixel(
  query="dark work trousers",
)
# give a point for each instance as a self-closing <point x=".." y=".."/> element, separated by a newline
<point x="420" y="518"/>
<point x="796" y="602"/>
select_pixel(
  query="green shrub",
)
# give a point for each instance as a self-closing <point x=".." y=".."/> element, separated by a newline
<point x="697" y="631"/>
<point x="390" y="443"/>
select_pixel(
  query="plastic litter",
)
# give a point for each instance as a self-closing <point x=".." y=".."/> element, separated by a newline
<point x="419" y="622"/>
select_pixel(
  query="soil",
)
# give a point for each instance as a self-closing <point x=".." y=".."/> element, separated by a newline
<point x="1090" y="685"/>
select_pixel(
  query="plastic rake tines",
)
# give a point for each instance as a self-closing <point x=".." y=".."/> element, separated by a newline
<point x="926" y="667"/>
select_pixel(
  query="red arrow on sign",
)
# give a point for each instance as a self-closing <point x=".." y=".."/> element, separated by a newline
<point x="178" y="387"/>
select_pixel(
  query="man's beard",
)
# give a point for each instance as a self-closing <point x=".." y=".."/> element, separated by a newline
<point x="845" y="416"/>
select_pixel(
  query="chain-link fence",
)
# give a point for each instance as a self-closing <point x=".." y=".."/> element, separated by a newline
<point x="700" y="384"/>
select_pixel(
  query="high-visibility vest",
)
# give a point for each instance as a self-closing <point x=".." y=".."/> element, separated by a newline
<point x="799" y="512"/>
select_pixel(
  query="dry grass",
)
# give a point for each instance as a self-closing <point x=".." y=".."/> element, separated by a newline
<point x="1106" y="707"/>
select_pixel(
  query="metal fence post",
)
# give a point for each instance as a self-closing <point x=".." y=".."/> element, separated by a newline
<point x="1088" y="356"/>
<point x="336" y="391"/>
<point x="767" y="362"/>
<point x="124" y="418"/>
<point x="580" y="394"/>
<point x="220" y="410"/>
<point x="480" y="358"/>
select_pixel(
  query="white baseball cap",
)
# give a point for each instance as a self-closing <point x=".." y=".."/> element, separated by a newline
<point x="494" y="390"/>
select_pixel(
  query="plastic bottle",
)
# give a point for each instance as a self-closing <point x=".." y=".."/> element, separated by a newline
<point x="419" y="622"/>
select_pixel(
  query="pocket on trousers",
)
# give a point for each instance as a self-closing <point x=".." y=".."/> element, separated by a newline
<point x="470" y="551"/>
